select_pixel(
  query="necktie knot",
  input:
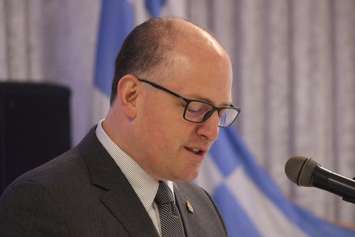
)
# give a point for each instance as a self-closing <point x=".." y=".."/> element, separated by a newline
<point x="164" y="194"/>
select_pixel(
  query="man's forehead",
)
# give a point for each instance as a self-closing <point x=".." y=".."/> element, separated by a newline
<point x="211" y="90"/>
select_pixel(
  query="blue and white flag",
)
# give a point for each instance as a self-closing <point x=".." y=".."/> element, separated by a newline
<point x="250" y="202"/>
<point x="117" y="19"/>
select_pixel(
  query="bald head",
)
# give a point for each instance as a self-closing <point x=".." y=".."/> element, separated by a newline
<point x="155" y="43"/>
<point x="168" y="73"/>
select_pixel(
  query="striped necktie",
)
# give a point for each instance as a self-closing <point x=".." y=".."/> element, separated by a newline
<point x="170" y="220"/>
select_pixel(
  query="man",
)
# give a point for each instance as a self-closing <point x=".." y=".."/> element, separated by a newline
<point x="130" y="175"/>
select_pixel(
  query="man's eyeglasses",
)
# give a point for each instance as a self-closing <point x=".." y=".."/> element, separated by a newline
<point x="198" y="111"/>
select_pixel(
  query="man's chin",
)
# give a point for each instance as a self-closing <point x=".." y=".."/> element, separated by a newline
<point x="187" y="177"/>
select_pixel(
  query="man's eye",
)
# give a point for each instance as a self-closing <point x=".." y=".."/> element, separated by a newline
<point x="193" y="109"/>
<point x="197" y="109"/>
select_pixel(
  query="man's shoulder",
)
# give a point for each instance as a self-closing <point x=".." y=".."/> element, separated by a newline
<point x="41" y="193"/>
<point x="58" y="171"/>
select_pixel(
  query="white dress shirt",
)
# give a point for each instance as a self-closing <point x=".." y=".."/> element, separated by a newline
<point x="143" y="184"/>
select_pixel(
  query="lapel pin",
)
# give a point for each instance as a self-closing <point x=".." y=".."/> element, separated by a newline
<point x="189" y="207"/>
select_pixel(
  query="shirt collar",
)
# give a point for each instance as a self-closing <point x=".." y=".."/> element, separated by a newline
<point x="142" y="183"/>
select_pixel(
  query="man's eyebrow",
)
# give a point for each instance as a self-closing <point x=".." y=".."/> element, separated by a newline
<point x="210" y="101"/>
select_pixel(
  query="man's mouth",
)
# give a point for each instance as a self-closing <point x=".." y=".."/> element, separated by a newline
<point x="196" y="150"/>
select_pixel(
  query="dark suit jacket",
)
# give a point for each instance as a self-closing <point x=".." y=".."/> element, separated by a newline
<point x="83" y="193"/>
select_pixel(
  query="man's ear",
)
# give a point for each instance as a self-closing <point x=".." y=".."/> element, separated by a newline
<point x="127" y="91"/>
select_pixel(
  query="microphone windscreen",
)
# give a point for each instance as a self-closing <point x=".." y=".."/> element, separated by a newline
<point x="299" y="170"/>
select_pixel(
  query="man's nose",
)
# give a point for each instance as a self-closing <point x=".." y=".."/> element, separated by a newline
<point x="209" y="129"/>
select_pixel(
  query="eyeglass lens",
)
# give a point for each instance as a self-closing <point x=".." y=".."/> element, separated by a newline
<point x="199" y="112"/>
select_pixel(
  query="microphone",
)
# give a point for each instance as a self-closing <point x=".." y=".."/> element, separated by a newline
<point x="306" y="172"/>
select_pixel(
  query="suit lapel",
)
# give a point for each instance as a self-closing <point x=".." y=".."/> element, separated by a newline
<point x="186" y="214"/>
<point x="119" y="197"/>
<point x="130" y="213"/>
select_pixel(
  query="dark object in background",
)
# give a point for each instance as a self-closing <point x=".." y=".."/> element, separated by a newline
<point x="34" y="126"/>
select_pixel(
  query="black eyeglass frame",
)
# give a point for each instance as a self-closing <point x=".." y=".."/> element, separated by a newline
<point x="188" y="101"/>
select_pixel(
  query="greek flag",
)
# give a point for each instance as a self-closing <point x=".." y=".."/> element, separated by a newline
<point x="250" y="202"/>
